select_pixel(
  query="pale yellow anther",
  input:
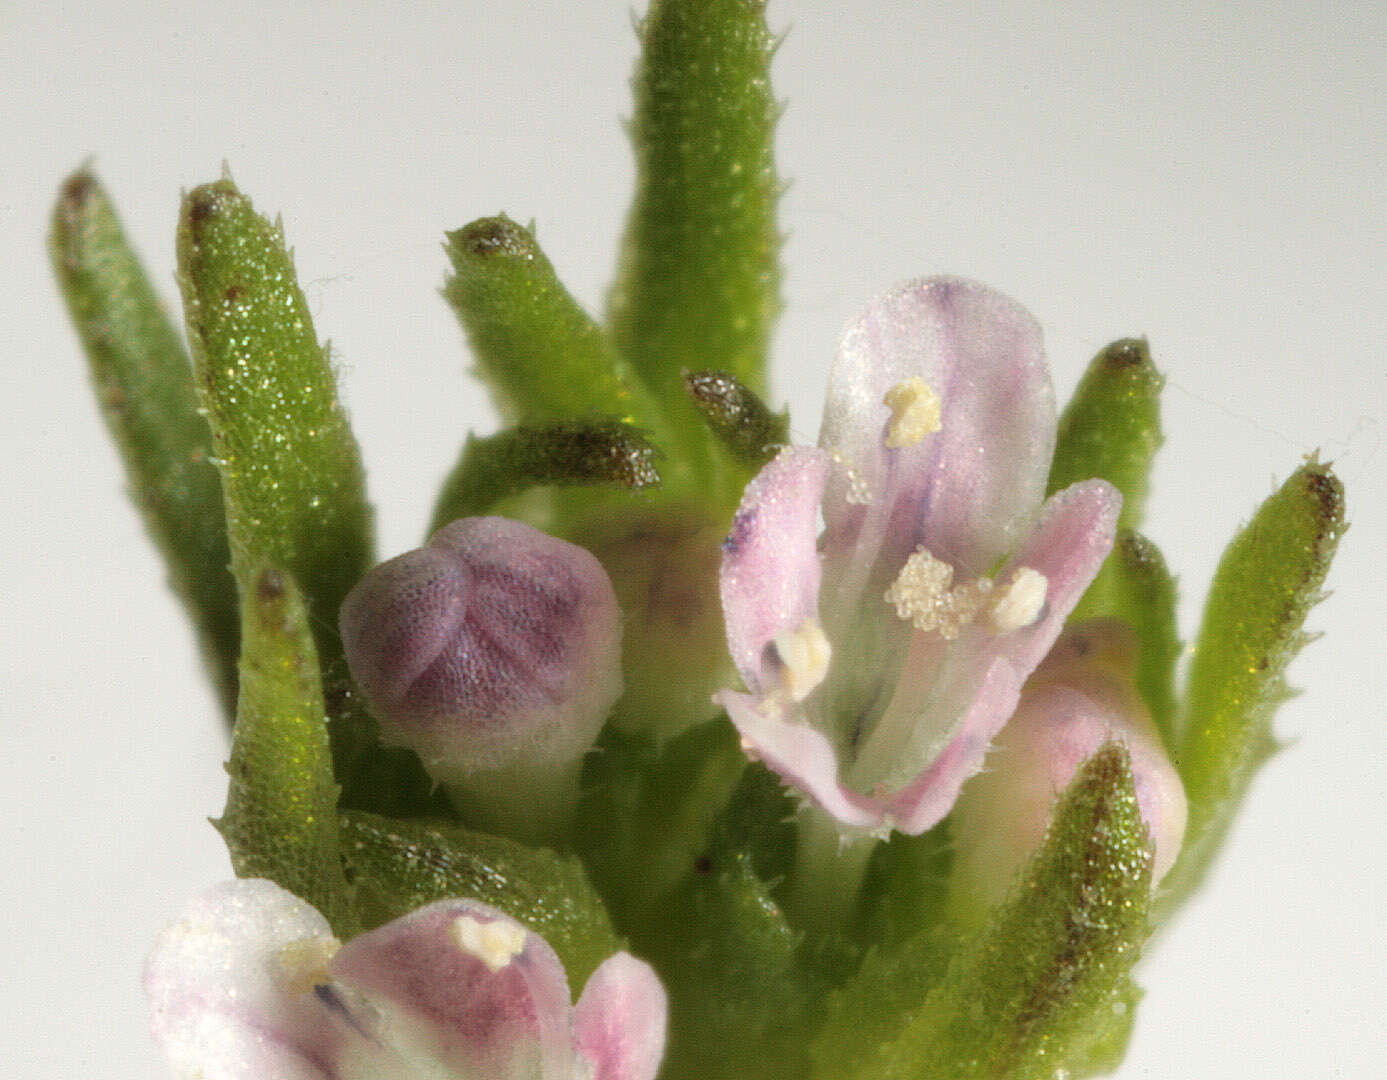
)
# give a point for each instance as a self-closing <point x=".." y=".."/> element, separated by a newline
<point x="1020" y="603"/>
<point x="804" y="654"/>
<point x="915" y="412"/>
<point x="925" y="596"/>
<point x="494" y="943"/>
<point x="303" y="963"/>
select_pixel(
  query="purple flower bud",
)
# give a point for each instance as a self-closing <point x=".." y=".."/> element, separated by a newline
<point x="1081" y="697"/>
<point x="494" y="652"/>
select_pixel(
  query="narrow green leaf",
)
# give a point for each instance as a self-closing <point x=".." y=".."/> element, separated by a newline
<point x="144" y="385"/>
<point x="906" y="888"/>
<point x="648" y="815"/>
<point x="1266" y="583"/>
<point x="698" y="285"/>
<point x="738" y="1005"/>
<point x="280" y="820"/>
<point x="1111" y="428"/>
<point x="1135" y="586"/>
<point x="569" y="453"/>
<point x="398" y="866"/>
<point x="289" y="463"/>
<point x="290" y="467"/>
<point x="1030" y="990"/>
<point x="738" y="417"/>
<point x="540" y="353"/>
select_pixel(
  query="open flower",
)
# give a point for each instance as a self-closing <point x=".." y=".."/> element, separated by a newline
<point x="251" y="985"/>
<point x="882" y="656"/>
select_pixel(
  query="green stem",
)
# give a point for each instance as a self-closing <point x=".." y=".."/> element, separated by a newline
<point x="828" y="874"/>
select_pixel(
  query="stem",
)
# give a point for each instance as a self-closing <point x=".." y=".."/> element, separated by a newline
<point x="828" y="873"/>
<point x="531" y="802"/>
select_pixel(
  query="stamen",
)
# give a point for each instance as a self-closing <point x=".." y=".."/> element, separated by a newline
<point x="304" y="962"/>
<point x="803" y="653"/>
<point x="494" y="943"/>
<point x="924" y="595"/>
<point x="915" y="413"/>
<point x="1021" y="602"/>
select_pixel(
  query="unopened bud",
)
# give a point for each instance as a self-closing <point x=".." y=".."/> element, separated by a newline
<point x="494" y="652"/>
<point x="1081" y="697"/>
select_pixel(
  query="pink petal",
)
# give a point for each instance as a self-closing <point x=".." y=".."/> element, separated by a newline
<point x="223" y="1008"/>
<point x="503" y="1016"/>
<point x="934" y="733"/>
<point x="770" y="563"/>
<point x="1073" y="536"/>
<point x="1080" y="698"/>
<point x="967" y="491"/>
<point x="927" y="800"/>
<point x="799" y="755"/>
<point x="619" y="1022"/>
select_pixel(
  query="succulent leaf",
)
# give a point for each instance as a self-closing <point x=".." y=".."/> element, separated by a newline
<point x="698" y="284"/>
<point x="144" y="385"/>
<point x="1269" y="578"/>
<point x="569" y="453"/>
<point x="280" y="820"/>
<point x="1111" y="427"/>
<point x="542" y="355"/>
<point x="398" y="866"/>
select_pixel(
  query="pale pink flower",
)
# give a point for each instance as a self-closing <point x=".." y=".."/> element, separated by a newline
<point x="250" y="984"/>
<point x="882" y="655"/>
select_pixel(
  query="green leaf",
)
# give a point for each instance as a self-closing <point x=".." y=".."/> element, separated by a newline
<point x="738" y="417"/>
<point x="280" y="820"/>
<point x="144" y="385"/>
<point x="906" y="887"/>
<point x="1135" y="586"/>
<point x="398" y="866"/>
<point x="698" y="285"/>
<point x="739" y="1006"/>
<point x="648" y="814"/>
<point x="1266" y="583"/>
<point x="1111" y="428"/>
<point x="540" y="353"/>
<point x="290" y="467"/>
<point x="1036" y="984"/>
<point x="569" y="453"/>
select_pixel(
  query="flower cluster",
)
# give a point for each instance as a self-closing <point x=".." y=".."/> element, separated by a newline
<point x="928" y="834"/>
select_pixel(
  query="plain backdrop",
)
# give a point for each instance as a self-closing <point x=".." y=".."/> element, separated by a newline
<point x="1209" y="175"/>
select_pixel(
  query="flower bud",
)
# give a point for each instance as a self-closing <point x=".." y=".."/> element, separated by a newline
<point x="1081" y="697"/>
<point x="494" y="652"/>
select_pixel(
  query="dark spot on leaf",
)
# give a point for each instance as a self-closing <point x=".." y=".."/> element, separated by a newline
<point x="269" y="586"/>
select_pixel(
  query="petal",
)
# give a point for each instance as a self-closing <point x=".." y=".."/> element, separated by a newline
<point x="927" y="799"/>
<point x="800" y="756"/>
<point x="459" y="987"/>
<point x="1073" y="536"/>
<point x="968" y="491"/>
<point x="225" y="1003"/>
<point x="1079" y="699"/>
<point x="619" y="1022"/>
<point x="934" y="733"/>
<point x="770" y="564"/>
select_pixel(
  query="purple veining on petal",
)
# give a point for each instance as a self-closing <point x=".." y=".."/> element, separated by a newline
<point x="770" y="565"/>
<point x="905" y="710"/>
<point x="472" y="1017"/>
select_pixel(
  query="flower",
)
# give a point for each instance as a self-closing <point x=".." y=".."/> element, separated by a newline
<point x="882" y="657"/>
<point x="1081" y="697"/>
<point x="250" y="984"/>
<point x="494" y="652"/>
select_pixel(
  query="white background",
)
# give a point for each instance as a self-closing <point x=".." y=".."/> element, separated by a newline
<point x="1206" y="174"/>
